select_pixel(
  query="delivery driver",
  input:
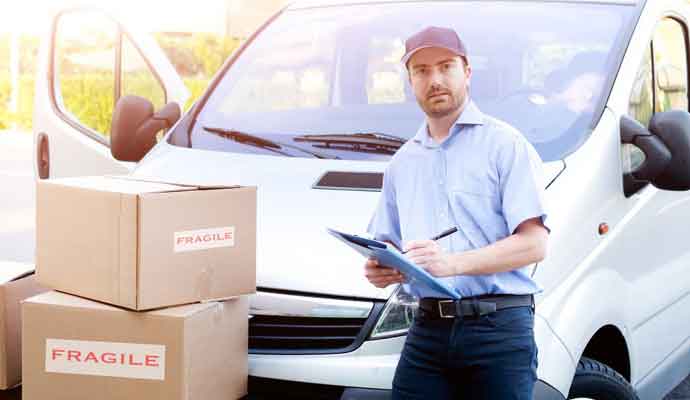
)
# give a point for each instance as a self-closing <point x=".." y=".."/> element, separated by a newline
<point x="467" y="170"/>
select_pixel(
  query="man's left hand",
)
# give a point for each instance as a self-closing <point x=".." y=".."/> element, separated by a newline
<point x="430" y="256"/>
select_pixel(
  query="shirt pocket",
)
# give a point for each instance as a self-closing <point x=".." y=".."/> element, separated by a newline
<point x="473" y="182"/>
<point x="477" y="209"/>
<point x="476" y="197"/>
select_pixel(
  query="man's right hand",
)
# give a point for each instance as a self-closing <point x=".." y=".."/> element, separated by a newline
<point x="381" y="276"/>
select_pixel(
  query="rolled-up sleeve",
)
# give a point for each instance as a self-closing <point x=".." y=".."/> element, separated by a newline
<point x="521" y="184"/>
<point x="385" y="223"/>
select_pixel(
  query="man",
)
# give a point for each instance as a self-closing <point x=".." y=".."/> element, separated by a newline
<point x="568" y="100"/>
<point x="467" y="170"/>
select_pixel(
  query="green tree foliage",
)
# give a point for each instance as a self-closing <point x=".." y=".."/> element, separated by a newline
<point x="197" y="54"/>
<point x="89" y="97"/>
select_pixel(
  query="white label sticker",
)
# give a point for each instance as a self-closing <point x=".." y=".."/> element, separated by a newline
<point x="121" y="360"/>
<point x="202" y="239"/>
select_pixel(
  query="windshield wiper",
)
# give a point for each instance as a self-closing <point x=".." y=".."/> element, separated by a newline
<point x="258" y="141"/>
<point x="373" y="142"/>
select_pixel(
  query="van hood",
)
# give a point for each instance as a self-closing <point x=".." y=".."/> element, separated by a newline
<point x="294" y="251"/>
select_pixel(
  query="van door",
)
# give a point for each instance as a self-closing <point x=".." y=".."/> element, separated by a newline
<point x="87" y="61"/>
<point x="651" y="249"/>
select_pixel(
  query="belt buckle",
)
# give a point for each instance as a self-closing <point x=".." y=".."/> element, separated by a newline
<point x="440" y="308"/>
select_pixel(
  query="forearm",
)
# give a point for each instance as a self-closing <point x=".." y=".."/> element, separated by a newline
<point x="515" y="251"/>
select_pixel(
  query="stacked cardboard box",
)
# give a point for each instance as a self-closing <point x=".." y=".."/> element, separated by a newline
<point x="148" y="276"/>
<point x="17" y="283"/>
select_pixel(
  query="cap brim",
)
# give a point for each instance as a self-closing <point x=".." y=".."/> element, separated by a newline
<point x="409" y="55"/>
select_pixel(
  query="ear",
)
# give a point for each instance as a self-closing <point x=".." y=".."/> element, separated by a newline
<point x="468" y="75"/>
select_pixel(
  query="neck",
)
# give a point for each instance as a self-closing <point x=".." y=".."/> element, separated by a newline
<point x="439" y="128"/>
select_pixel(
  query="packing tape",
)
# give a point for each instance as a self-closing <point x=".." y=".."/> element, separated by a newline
<point x="203" y="283"/>
<point x="218" y="313"/>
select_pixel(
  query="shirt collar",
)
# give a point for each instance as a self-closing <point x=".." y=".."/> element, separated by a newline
<point x="471" y="115"/>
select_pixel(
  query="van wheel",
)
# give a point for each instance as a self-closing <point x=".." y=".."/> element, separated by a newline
<point x="597" y="381"/>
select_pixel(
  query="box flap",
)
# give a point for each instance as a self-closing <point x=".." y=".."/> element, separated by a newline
<point x="11" y="271"/>
<point x="56" y="298"/>
<point x="63" y="299"/>
<point x="127" y="252"/>
<point x="116" y="185"/>
<point x="177" y="182"/>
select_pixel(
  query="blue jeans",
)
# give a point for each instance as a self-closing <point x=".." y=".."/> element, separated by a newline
<point x="492" y="357"/>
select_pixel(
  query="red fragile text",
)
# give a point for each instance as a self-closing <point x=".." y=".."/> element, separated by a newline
<point x="206" y="238"/>
<point x="143" y="360"/>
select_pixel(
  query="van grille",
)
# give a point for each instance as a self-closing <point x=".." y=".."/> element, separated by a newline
<point x="308" y="335"/>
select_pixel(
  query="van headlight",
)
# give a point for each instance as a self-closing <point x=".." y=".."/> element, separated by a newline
<point x="397" y="315"/>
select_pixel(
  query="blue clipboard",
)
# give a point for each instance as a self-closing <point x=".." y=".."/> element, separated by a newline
<point x="391" y="257"/>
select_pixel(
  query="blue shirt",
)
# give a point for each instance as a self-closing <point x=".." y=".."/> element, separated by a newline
<point x="484" y="178"/>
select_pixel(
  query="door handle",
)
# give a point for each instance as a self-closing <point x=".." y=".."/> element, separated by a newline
<point x="43" y="156"/>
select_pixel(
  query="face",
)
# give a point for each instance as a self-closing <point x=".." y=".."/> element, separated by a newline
<point x="579" y="95"/>
<point x="439" y="80"/>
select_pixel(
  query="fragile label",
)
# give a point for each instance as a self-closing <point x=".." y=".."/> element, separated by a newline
<point x="203" y="239"/>
<point x="121" y="360"/>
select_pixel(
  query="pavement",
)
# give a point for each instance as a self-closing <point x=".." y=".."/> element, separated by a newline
<point x="17" y="197"/>
<point x="17" y="212"/>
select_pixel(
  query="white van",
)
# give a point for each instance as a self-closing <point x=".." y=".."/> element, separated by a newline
<point x="312" y="107"/>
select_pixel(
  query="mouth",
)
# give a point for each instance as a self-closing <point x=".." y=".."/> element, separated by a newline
<point x="436" y="95"/>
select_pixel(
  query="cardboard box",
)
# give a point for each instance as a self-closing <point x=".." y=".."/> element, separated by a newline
<point x="77" y="349"/>
<point x="145" y="245"/>
<point x="16" y="284"/>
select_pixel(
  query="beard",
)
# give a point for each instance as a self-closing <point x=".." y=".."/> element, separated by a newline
<point x="441" y="102"/>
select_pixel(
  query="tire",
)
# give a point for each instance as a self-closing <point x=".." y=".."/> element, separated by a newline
<point x="597" y="381"/>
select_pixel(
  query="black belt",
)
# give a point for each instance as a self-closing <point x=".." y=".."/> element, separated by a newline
<point x="472" y="306"/>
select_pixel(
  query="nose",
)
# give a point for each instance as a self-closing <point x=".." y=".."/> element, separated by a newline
<point x="436" y="78"/>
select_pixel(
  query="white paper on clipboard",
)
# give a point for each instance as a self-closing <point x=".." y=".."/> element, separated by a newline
<point x="391" y="257"/>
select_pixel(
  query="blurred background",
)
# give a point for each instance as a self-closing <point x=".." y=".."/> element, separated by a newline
<point x="196" y="36"/>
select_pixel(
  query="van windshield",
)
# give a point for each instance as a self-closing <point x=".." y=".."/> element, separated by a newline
<point x="328" y="81"/>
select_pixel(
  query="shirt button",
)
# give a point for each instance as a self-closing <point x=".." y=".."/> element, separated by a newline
<point x="440" y="182"/>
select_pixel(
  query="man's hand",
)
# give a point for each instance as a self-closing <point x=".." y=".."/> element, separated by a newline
<point x="381" y="276"/>
<point x="430" y="256"/>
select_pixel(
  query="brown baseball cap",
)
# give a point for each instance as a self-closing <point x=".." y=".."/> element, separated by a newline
<point x="434" y="36"/>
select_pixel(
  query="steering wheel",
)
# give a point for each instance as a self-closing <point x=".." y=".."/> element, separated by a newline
<point x="535" y="99"/>
<point x="528" y="94"/>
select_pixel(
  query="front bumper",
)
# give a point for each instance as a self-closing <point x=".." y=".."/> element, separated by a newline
<point x="269" y="389"/>
<point x="364" y="374"/>
<point x="371" y="365"/>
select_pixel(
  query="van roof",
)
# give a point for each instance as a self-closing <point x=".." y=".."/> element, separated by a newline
<point x="300" y="4"/>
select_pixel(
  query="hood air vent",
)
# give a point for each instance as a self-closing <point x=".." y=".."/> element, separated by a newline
<point x="344" y="180"/>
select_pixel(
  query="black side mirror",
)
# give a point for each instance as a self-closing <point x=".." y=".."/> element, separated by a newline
<point x="657" y="156"/>
<point x="673" y="128"/>
<point x="134" y="126"/>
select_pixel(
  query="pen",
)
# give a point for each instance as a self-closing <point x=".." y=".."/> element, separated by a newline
<point x="443" y="234"/>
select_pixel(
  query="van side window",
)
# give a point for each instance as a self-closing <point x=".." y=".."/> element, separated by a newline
<point x="137" y="77"/>
<point x="670" y="66"/>
<point x="94" y="64"/>
<point x="640" y="105"/>
<point x="669" y="89"/>
<point x="84" y="69"/>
